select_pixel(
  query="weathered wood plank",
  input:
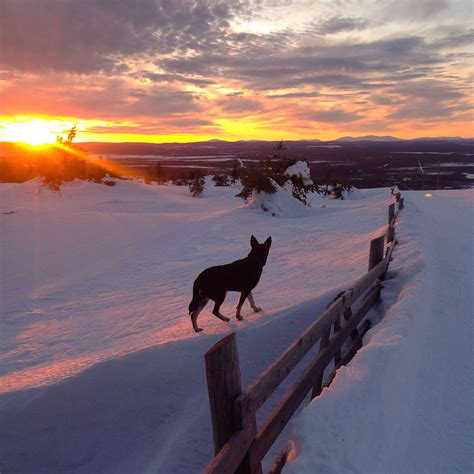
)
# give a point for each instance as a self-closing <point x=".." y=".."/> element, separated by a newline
<point x="224" y="386"/>
<point x="277" y="420"/>
<point x="390" y="234"/>
<point x="318" y="384"/>
<point x="376" y="251"/>
<point x="391" y="213"/>
<point x="347" y="357"/>
<point x="356" y="343"/>
<point x="390" y="251"/>
<point x="253" y="397"/>
<point x="230" y="456"/>
<point x="388" y="257"/>
<point x="348" y="315"/>
<point x="337" y="328"/>
<point x="279" y="462"/>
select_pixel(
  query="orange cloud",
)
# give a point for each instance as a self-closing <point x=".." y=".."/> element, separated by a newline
<point x="173" y="71"/>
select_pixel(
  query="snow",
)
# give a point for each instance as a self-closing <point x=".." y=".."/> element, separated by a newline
<point x="279" y="204"/>
<point x="405" y="403"/>
<point x="100" y="370"/>
<point x="300" y="169"/>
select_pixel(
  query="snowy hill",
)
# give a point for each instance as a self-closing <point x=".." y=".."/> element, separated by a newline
<point x="100" y="368"/>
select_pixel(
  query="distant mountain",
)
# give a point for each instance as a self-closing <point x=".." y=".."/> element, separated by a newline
<point x="218" y="147"/>
<point x="369" y="138"/>
<point x="438" y="139"/>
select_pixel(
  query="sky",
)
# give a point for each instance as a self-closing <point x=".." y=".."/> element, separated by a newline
<point x="187" y="70"/>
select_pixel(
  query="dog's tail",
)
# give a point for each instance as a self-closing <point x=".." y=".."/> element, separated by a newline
<point x="194" y="305"/>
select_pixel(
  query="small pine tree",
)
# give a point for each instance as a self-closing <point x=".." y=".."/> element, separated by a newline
<point x="279" y="151"/>
<point x="235" y="173"/>
<point x="196" y="183"/>
<point x="255" y="178"/>
<point x="221" y="180"/>
<point x="259" y="178"/>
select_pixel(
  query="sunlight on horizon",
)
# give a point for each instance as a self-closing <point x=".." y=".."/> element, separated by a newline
<point x="34" y="132"/>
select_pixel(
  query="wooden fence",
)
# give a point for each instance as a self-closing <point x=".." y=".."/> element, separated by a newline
<point x="239" y="444"/>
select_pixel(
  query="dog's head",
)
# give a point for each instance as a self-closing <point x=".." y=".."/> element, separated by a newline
<point x="260" y="251"/>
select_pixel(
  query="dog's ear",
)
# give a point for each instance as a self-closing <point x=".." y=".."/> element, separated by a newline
<point x="253" y="241"/>
<point x="268" y="242"/>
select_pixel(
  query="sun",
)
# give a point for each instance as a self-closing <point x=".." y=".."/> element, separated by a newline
<point x="33" y="132"/>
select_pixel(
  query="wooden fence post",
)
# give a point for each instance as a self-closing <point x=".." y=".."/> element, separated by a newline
<point x="391" y="213"/>
<point x="224" y="386"/>
<point x="390" y="234"/>
<point x="376" y="251"/>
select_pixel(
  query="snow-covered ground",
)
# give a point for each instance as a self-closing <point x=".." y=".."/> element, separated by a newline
<point x="405" y="404"/>
<point x="101" y="371"/>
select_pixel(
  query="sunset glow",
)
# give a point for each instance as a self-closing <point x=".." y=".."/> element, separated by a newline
<point x="32" y="132"/>
<point x="187" y="71"/>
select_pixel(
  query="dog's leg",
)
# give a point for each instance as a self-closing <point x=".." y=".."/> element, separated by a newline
<point x="216" y="312"/>
<point x="243" y="297"/>
<point x="194" y="315"/>
<point x="252" y="303"/>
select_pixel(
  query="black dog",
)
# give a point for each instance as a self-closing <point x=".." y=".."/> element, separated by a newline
<point x="241" y="275"/>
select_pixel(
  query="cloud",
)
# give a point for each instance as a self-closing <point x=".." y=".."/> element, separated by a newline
<point x="98" y="96"/>
<point x="236" y="104"/>
<point x="337" y="24"/>
<point x="429" y="100"/>
<point x="170" y="60"/>
<point x="335" y="114"/>
<point x="293" y="95"/>
<point x="455" y="39"/>
<point x="143" y="128"/>
<point x="339" y="65"/>
<point x="97" y="35"/>
<point x="176" y="78"/>
<point x="420" y="9"/>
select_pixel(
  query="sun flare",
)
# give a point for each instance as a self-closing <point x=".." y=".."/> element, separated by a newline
<point x="33" y="132"/>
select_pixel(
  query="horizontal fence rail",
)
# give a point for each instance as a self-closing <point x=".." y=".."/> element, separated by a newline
<point x="239" y="444"/>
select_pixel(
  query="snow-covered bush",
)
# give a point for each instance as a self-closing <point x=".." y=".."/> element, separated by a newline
<point x="278" y="204"/>
<point x="299" y="181"/>
<point x="255" y="180"/>
<point x="291" y="175"/>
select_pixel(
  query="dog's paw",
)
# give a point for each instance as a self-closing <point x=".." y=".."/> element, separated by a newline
<point x="257" y="309"/>
<point x="198" y="329"/>
<point x="239" y="317"/>
<point x="224" y="318"/>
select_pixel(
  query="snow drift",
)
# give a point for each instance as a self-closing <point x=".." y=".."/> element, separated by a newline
<point x="404" y="404"/>
<point x="279" y="204"/>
